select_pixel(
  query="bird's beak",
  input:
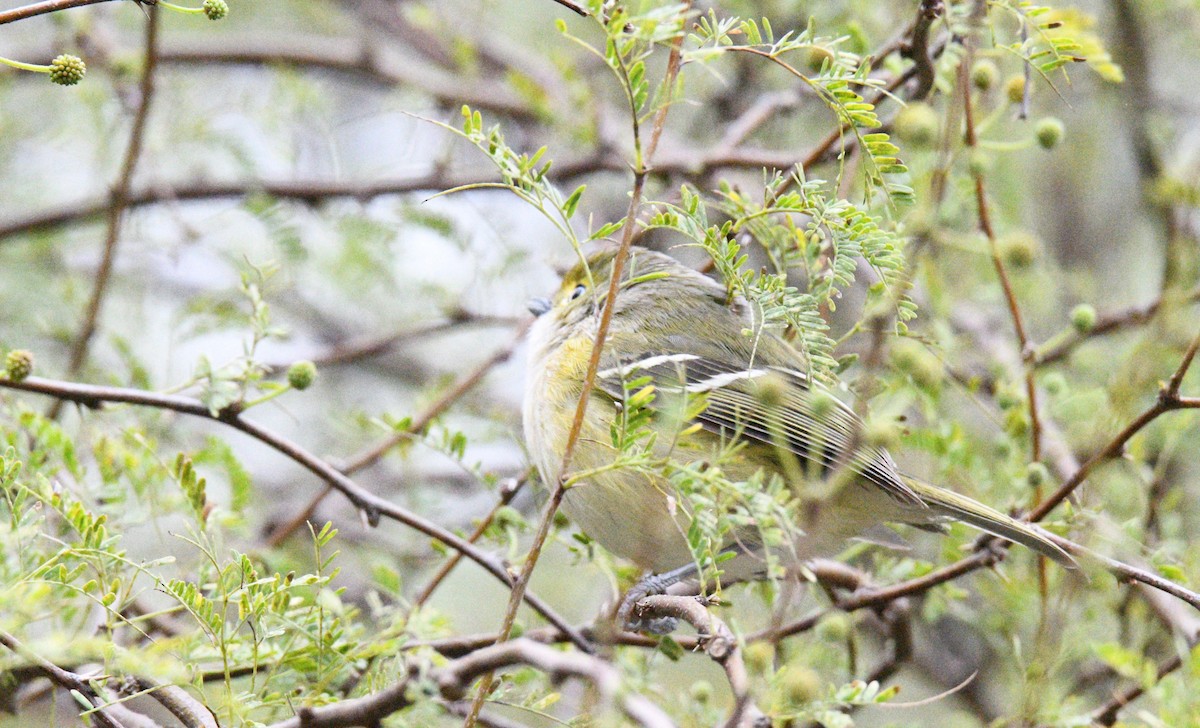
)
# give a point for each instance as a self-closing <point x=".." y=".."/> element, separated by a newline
<point x="538" y="306"/>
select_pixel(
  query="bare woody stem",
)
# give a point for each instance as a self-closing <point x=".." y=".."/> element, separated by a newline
<point x="985" y="226"/>
<point x="117" y="205"/>
<point x="49" y="6"/>
<point x="417" y="426"/>
<point x="559" y="490"/>
<point x="1168" y="400"/>
<point x="370" y="505"/>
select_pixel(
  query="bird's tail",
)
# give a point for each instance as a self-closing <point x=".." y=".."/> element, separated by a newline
<point x="959" y="507"/>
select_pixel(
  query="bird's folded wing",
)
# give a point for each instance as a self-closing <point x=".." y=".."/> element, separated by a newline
<point x="773" y="405"/>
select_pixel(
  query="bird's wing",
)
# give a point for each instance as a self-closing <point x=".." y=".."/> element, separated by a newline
<point x="773" y="405"/>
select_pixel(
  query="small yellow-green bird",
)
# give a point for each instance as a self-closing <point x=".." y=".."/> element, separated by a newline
<point x="725" y="391"/>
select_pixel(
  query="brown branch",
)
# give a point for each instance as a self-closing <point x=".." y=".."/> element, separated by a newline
<point x="370" y="505"/>
<point x="452" y="681"/>
<point x="49" y="6"/>
<point x="118" y="202"/>
<point x="1107" y="714"/>
<point x="717" y="641"/>
<point x="318" y="191"/>
<point x="416" y="427"/>
<point x="63" y="678"/>
<point x="559" y="488"/>
<point x="353" y="56"/>
<point x="1054" y="350"/>
<point x="1168" y="400"/>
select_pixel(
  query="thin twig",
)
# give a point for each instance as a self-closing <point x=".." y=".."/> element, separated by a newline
<point x="1168" y="400"/>
<point x="1059" y="347"/>
<point x="1107" y="714"/>
<point x="370" y="505"/>
<point x="64" y="679"/>
<point x="917" y="47"/>
<point x="559" y="488"/>
<point x="717" y="641"/>
<point x="49" y="6"/>
<point x="985" y="226"/>
<point x="118" y="203"/>
<point x="508" y="491"/>
<point x="416" y="427"/>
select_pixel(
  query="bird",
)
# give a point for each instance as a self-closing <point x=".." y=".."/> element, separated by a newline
<point x="711" y="390"/>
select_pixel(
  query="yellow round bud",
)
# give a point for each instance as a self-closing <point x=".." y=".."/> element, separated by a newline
<point x="760" y="657"/>
<point x="917" y="125"/>
<point x="1049" y="132"/>
<point x="985" y="74"/>
<point x="1014" y="89"/>
<point x="1083" y="318"/>
<point x="799" y="685"/>
<point x="1019" y="249"/>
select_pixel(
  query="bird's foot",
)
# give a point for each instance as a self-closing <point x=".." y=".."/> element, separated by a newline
<point x="650" y="585"/>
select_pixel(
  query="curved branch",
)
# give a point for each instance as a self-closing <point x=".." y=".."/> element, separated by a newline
<point x="453" y="680"/>
<point x="117" y="204"/>
<point x="49" y="6"/>
<point x="370" y="505"/>
<point x="317" y="191"/>
<point x="717" y="641"/>
<point x="350" y="56"/>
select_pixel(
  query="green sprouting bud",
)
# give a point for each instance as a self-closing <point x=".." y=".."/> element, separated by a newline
<point x="979" y="161"/>
<point x="1036" y="474"/>
<point x="920" y="365"/>
<point x="1055" y="383"/>
<point x="760" y="657"/>
<point x="817" y="57"/>
<point x="834" y="628"/>
<point x="799" y="685"/>
<point x="1007" y="398"/>
<point x="67" y="70"/>
<point x="701" y="691"/>
<point x="1049" y="132"/>
<point x="216" y="9"/>
<point x="821" y="404"/>
<point x="881" y="433"/>
<point x="1016" y="422"/>
<point x="771" y="391"/>
<point x="18" y="364"/>
<point x="985" y="74"/>
<point x="917" y="124"/>
<point x="1014" y="89"/>
<point x="1018" y="249"/>
<point x="301" y="374"/>
<point x="1083" y="318"/>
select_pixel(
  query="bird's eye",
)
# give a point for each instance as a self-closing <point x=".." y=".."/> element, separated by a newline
<point x="578" y="292"/>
